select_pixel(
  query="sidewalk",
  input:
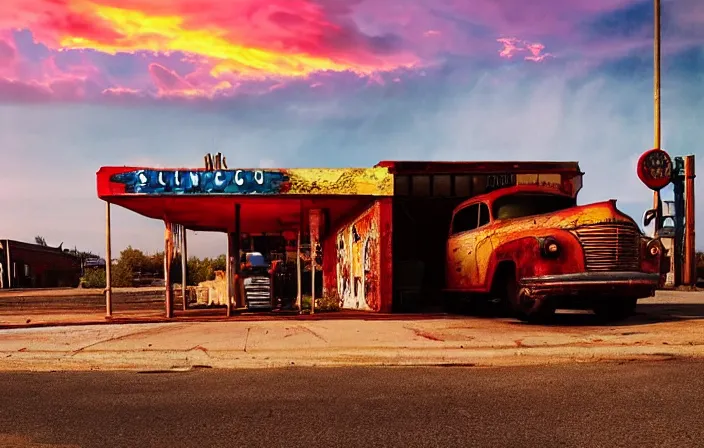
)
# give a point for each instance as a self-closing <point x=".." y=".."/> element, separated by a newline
<point x="671" y="326"/>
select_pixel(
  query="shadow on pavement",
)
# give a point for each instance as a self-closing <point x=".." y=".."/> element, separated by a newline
<point x="646" y="314"/>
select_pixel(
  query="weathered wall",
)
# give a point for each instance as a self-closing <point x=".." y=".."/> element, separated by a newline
<point x="357" y="260"/>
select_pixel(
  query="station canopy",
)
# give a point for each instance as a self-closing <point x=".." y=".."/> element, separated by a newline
<point x="271" y="200"/>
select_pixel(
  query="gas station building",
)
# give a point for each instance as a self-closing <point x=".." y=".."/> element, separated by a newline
<point x="382" y="230"/>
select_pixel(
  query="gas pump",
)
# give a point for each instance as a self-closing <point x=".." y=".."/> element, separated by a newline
<point x="672" y="226"/>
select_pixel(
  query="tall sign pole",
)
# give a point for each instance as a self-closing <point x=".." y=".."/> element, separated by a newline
<point x="690" y="253"/>
<point x="657" y="202"/>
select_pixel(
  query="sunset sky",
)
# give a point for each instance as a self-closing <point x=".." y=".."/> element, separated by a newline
<point x="292" y="83"/>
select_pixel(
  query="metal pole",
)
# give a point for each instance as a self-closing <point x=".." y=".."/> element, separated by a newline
<point x="108" y="263"/>
<point x="299" y="276"/>
<point x="312" y="280"/>
<point x="228" y="273"/>
<point x="313" y="241"/>
<point x="184" y="268"/>
<point x="657" y="202"/>
<point x="656" y="73"/>
<point x="167" y="269"/>
<point x="299" y="267"/>
<point x="239" y="301"/>
<point x="9" y="264"/>
<point x="690" y="255"/>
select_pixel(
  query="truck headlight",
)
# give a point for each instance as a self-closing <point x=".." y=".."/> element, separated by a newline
<point x="549" y="247"/>
<point x="654" y="248"/>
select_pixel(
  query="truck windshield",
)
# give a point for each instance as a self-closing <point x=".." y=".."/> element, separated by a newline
<point x="529" y="204"/>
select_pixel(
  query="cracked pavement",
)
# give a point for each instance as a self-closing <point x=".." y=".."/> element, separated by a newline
<point x="666" y="327"/>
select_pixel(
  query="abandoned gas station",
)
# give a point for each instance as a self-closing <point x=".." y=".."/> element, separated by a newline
<point x="381" y="230"/>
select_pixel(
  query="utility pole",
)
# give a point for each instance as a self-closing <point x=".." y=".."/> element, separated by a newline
<point x="657" y="202"/>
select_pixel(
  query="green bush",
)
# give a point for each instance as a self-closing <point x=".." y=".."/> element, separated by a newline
<point x="93" y="278"/>
<point x="329" y="302"/>
<point x="322" y="304"/>
<point x="134" y="261"/>
<point x="199" y="270"/>
<point x="122" y="274"/>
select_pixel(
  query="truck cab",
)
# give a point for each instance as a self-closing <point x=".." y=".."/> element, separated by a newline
<point x="532" y="249"/>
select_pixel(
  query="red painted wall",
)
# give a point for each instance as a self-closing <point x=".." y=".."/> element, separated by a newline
<point x="357" y="259"/>
<point x="47" y="267"/>
<point x="386" y="254"/>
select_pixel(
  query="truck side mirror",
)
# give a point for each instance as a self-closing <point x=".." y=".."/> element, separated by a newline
<point x="648" y="217"/>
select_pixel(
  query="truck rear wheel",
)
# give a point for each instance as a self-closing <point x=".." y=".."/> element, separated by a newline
<point x="615" y="308"/>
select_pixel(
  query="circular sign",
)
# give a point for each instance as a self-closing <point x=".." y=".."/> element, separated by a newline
<point x="655" y="169"/>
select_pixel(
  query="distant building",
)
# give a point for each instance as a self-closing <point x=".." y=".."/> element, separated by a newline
<point x="25" y="265"/>
<point x="94" y="263"/>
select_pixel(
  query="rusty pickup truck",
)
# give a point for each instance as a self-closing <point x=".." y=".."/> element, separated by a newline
<point x="531" y="249"/>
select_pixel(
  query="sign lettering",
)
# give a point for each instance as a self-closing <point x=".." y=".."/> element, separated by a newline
<point x="496" y="181"/>
<point x="202" y="182"/>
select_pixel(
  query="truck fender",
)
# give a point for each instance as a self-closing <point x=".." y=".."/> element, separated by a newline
<point x="525" y="255"/>
<point x="521" y="253"/>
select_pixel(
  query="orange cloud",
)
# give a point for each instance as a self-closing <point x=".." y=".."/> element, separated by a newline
<point x="248" y="38"/>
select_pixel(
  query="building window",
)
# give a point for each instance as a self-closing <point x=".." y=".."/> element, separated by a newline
<point x="463" y="185"/>
<point x="401" y="185"/>
<point x="421" y="185"/>
<point x="442" y="185"/>
<point x="26" y="270"/>
<point x="479" y="184"/>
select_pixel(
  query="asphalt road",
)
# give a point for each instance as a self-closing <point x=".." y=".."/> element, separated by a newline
<point x="609" y="405"/>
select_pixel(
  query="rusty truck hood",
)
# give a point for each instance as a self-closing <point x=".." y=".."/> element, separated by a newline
<point x="571" y="218"/>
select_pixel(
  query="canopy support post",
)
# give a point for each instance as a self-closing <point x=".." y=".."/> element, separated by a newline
<point x="168" y="256"/>
<point x="108" y="263"/>
<point x="237" y="244"/>
<point x="184" y="268"/>
<point x="228" y="274"/>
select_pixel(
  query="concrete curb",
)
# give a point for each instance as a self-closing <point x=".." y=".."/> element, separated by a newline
<point x="324" y="316"/>
<point x="156" y="360"/>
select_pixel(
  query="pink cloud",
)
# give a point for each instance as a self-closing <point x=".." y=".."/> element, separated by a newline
<point x="338" y="36"/>
<point x="7" y="53"/>
<point x="18" y="91"/>
<point x="513" y="46"/>
<point x="167" y="80"/>
<point x="8" y="59"/>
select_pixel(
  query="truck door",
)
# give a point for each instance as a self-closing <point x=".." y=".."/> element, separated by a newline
<point x="467" y="250"/>
<point x="460" y="247"/>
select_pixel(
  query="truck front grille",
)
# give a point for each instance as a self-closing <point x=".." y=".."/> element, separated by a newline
<point x="610" y="247"/>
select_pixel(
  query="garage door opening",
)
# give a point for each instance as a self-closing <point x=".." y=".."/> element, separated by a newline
<point x="420" y="234"/>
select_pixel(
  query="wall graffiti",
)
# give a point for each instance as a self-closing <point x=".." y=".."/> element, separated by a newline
<point x="199" y="182"/>
<point x="358" y="262"/>
<point x="304" y="181"/>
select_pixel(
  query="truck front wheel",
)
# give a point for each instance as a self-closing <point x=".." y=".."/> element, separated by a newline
<point x="526" y="308"/>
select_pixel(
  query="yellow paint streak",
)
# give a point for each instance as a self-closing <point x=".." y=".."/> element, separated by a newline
<point x="143" y="32"/>
<point x="341" y="181"/>
<point x="566" y="220"/>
